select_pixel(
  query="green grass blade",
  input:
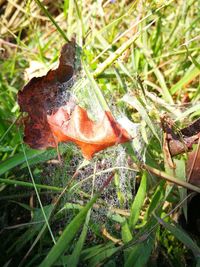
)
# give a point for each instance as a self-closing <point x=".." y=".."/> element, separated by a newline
<point x="38" y="196"/>
<point x="36" y="225"/>
<point x="188" y="112"/>
<point x="190" y="75"/>
<point x="139" y="107"/>
<point x="138" y="201"/>
<point x="181" y="235"/>
<point x="140" y="253"/>
<point x="70" y="18"/>
<point x="52" y="19"/>
<point x="155" y="200"/>
<point x="81" y="27"/>
<point x="74" y="259"/>
<point x="180" y="173"/>
<point x="165" y="91"/>
<point x="9" y="128"/>
<point x="18" y="159"/>
<point x="27" y="184"/>
<point x="96" y="89"/>
<point x="34" y="157"/>
<point x="91" y="252"/>
<point x="103" y="256"/>
<point x="126" y="233"/>
<point x="119" y="52"/>
<point x="68" y="234"/>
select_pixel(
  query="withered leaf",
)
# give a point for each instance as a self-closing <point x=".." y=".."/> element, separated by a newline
<point x="39" y="98"/>
<point x="89" y="135"/>
<point x="192" y="129"/>
<point x="193" y="167"/>
<point x="182" y="141"/>
<point x="182" y="144"/>
<point x="50" y="121"/>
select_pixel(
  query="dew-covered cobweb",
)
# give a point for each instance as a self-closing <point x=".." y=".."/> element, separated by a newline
<point x="114" y="161"/>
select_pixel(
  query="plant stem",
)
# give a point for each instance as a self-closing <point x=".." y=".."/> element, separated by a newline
<point x="172" y="179"/>
<point x="27" y="184"/>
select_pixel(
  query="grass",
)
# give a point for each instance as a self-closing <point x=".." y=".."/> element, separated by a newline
<point x="140" y="60"/>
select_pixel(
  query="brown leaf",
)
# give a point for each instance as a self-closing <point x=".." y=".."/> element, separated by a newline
<point x="183" y="140"/>
<point x="193" y="167"/>
<point x="89" y="135"/>
<point x="192" y="129"/>
<point x="52" y="120"/>
<point x="40" y="97"/>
